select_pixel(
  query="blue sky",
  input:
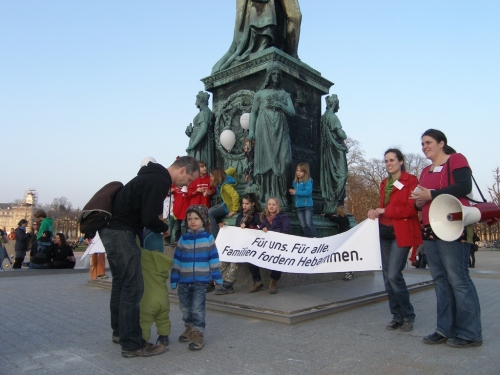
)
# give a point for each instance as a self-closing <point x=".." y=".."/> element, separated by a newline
<point x="90" y="87"/>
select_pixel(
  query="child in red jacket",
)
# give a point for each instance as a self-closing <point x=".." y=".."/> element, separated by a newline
<point x="200" y="191"/>
<point x="181" y="204"/>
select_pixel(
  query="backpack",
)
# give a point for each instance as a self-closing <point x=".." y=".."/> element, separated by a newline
<point x="40" y="252"/>
<point x="98" y="211"/>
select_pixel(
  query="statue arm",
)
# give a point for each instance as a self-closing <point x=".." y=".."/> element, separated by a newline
<point x="337" y="127"/>
<point x="253" y="116"/>
<point x="287" y="105"/>
<point x="203" y="129"/>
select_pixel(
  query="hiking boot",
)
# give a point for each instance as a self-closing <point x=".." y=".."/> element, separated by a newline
<point x="256" y="286"/>
<point x="186" y="335"/>
<point x="348" y="276"/>
<point x="197" y="340"/>
<point x="162" y="340"/>
<point x="225" y="288"/>
<point x="273" y="287"/>
<point x="393" y="325"/>
<point x="434" y="338"/>
<point x="456" y="342"/>
<point x="407" y="327"/>
<point x="116" y="339"/>
<point x="147" y="350"/>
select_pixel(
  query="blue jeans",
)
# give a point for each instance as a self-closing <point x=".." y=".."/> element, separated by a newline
<point x="124" y="257"/>
<point x="458" y="310"/>
<point x="215" y="215"/>
<point x="393" y="263"/>
<point x="305" y="215"/>
<point x="178" y="229"/>
<point x="423" y="260"/>
<point x="192" y="304"/>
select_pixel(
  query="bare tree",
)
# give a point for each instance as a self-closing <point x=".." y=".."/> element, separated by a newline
<point x="365" y="177"/>
<point x="415" y="163"/>
<point x="64" y="217"/>
<point x="355" y="154"/>
<point x="494" y="190"/>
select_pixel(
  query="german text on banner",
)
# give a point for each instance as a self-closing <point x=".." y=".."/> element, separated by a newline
<point x="355" y="250"/>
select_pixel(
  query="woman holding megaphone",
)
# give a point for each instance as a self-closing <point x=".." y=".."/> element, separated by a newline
<point x="458" y="310"/>
<point x="399" y="231"/>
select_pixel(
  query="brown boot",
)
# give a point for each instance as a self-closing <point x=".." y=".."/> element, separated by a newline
<point x="197" y="340"/>
<point x="147" y="350"/>
<point x="256" y="286"/>
<point x="186" y="335"/>
<point x="273" y="287"/>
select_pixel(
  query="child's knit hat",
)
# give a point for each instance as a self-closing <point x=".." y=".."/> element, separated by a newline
<point x="201" y="210"/>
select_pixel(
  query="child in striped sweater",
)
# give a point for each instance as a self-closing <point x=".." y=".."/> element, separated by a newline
<point x="196" y="261"/>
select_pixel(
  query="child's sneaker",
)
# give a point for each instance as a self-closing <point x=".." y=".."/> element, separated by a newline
<point x="186" y="335"/>
<point x="225" y="288"/>
<point x="162" y="340"/>
<point x="197" y="340"/>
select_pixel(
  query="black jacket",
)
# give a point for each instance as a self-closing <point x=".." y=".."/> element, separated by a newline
<point x="21" y="240"/>
<point x="342" y="222"/>
<point x="62" y="252"/>
<point x="42" y="251"/>
<point x="140" y="202"/>
<point x="253" y="224"/>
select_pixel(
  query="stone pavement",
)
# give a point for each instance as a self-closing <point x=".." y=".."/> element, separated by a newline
<point x="58" y="323"/>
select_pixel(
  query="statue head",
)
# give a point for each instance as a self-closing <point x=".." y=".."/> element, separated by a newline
<point x="333" y="102"/>
<point x="271" y="76"/>
<point x="202" y="98"/>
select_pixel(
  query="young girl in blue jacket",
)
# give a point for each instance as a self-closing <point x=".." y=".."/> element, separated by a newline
<point x="302" y="199"/>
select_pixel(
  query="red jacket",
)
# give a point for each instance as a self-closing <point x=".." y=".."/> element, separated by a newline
<point x="400" y="210"/>
<point x="181" y="203"/>
<point x="196" y="197"/>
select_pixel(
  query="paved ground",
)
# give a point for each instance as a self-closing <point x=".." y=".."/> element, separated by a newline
<point x="59" y="324"/>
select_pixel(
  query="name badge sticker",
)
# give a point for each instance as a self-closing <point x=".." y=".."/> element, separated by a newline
<point x="398" y="185"/>
<point x="438" y="169"/>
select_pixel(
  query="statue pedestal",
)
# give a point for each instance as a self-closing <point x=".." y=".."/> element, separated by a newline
<point x="233" y="90"/>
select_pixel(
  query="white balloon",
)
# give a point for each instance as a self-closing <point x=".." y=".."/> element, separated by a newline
<point x="245" y="121"/>
<point x="227" y="139"/>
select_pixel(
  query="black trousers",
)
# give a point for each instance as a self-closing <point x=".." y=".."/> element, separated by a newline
<point x="255" y="271"/>
<point x="18" y="262"/>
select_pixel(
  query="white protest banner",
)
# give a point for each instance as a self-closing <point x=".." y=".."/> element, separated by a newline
<point x="355" y="250"/>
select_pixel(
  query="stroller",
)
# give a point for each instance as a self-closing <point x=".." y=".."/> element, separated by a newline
<point x="4" y="255"/>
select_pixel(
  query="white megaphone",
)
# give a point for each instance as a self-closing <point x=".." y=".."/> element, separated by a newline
<point x="448" y="216"/>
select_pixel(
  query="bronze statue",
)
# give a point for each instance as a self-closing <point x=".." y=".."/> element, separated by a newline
<point x="261" y="24"/>
<point x="333" y="157"/>
<point x="269" y="128"/>
<point x="201" y="142"/>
